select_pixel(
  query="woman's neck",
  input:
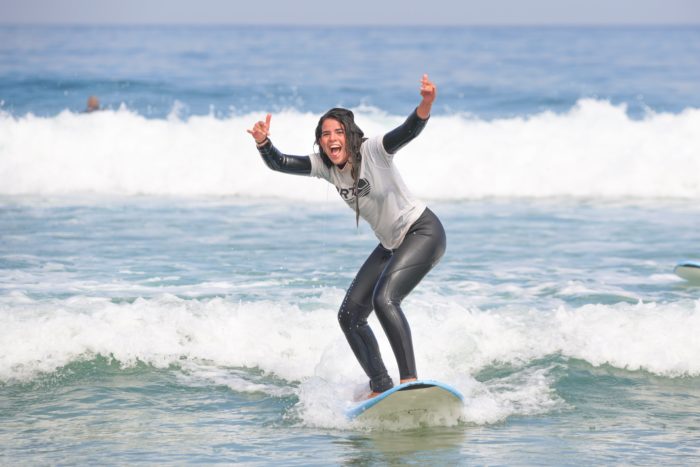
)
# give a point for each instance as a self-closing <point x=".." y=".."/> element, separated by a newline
<point x="345" y="164"/>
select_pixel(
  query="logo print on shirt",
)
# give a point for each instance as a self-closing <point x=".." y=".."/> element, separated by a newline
<point x="363" y="188"/>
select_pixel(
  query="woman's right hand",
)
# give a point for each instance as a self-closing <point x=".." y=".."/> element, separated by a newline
<point x="261" y="130"/>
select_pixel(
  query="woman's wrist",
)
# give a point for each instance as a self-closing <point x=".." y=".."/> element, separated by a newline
<point x="262" y="143"/>
<point x="423" y="110"/>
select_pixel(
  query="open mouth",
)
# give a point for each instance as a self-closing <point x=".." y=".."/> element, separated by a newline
<point x="335" y="150"/>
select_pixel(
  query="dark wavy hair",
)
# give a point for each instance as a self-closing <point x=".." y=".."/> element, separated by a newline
<point x="354" y="137"/>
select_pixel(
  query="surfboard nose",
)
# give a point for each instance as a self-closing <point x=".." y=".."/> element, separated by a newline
<point x="688" y="270"/>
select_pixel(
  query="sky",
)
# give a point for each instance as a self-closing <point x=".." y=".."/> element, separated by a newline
<point x="352" y="12"/>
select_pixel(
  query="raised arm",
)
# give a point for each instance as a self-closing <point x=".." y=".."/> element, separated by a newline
<point x="276" y="160"/>
<point x="273" y="158"/>
<point x="414" y="124"/>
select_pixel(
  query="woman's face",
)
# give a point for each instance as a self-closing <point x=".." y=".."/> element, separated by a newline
<point x="333" y="141"/>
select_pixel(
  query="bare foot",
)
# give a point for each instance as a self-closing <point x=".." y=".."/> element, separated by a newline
<point x="408" y="380"/>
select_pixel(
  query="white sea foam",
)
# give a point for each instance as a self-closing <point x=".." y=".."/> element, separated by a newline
<point x="210" y="339"/>
<point x="595" y="150"/>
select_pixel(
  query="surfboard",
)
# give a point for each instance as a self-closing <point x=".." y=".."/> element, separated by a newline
<point x="688" y="270"/>
<point x="420" y="401"/>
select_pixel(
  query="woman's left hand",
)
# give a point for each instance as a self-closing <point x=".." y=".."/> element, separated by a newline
<point x="428" y="91"/>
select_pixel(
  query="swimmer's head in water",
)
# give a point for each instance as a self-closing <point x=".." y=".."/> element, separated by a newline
<point x="93" y="103"/>
<point x="339" y="138"/>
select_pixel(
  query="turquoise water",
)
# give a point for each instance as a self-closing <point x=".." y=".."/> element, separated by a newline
<point x="166" y="299"/>
<point x="142" y="415"/>
<point x="167" y="331"/>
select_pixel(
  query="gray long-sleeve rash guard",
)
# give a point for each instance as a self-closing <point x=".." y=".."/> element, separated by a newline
<point x="384" y="200"/>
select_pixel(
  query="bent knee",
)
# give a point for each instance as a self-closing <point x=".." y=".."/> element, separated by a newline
<point x="351" y="316"/>
<point x="382" y="302"/>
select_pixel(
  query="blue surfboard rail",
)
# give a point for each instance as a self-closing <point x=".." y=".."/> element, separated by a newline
<point x="688" y="264"/>
<point x="364" y="405"/>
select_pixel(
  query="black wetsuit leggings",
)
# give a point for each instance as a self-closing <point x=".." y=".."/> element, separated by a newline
<point x="382" y="282"/>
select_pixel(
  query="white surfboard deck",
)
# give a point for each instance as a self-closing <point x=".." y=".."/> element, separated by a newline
<point x="688" y="270"/>
<point x="422" y="400"/>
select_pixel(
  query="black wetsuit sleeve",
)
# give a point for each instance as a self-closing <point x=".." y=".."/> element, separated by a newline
<point x="274" y="159"/>
<point x="403" y="134"/>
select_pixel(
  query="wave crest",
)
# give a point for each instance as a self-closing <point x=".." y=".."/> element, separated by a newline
<point x="595" y="150"/>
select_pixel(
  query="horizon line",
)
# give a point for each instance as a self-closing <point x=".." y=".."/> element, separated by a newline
<point x="355" y="25"/>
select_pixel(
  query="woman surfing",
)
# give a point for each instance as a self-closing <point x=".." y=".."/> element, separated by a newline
<point x="411" y="237"/>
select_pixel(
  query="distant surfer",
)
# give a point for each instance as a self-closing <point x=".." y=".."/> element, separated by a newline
<point x="93" y="104"/>
<point x="412" y="239"/>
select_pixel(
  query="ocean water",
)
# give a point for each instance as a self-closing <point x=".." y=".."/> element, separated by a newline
<point x="167" y="299"/>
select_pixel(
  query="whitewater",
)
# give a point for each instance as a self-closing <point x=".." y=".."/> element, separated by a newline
<point x="593" y="150"/>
